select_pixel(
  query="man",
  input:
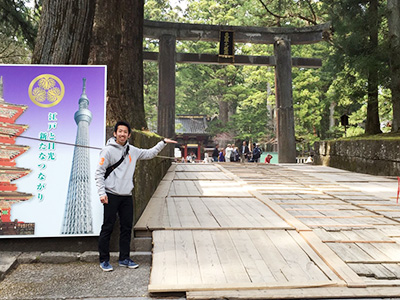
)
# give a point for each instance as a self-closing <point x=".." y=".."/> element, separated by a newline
<point x="244" y="152"/>
<point x="215" y="153"/>
<point x="114" y="180"/>
<point x="256" y="153"/>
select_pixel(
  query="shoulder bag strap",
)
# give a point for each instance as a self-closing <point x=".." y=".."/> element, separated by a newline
<point x="114" y="166"/>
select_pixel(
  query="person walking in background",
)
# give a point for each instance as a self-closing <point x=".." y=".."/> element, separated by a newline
<point x="244" y="152"/>
<point x="114" y="181"/>
<point x="215" y="153"/>
<point x="221" y="157"/>
<point x="235" y="155"/>
<point x="256" y="153"/>
<point x="228" y="152"/>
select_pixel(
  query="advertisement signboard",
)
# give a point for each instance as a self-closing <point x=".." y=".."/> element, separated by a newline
<point x="52" y="127"/>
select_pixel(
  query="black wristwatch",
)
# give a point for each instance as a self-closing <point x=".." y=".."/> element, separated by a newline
<point x="164" y="141"/>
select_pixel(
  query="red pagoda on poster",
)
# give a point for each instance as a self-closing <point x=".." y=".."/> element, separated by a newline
<point x="9" y="172"/>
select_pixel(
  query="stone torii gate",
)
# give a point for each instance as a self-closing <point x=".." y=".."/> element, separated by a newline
<point x="281" y="38"/>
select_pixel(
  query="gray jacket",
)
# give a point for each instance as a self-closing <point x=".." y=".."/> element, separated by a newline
<point x="120" y="181"/>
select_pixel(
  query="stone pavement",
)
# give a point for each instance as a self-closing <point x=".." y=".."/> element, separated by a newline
<point x="72" y="276"/>
<point x="66" y="275"/>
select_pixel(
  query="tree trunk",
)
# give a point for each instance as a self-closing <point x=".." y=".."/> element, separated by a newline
<point x="105" y="50"/>
<point x="131" y="62"/>
<point x="64" y="32"/>
<point x="394" y="59"/>
<point x="373" y="125"/>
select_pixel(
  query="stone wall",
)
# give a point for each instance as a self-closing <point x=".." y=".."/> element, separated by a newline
<point x="148" y="174"/>
<point x="377" y="157"/>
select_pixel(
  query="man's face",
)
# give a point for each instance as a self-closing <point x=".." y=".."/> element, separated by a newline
<point x="122" y="134"/>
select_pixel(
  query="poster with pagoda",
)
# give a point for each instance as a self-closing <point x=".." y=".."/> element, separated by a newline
<point x="52" y="126"/>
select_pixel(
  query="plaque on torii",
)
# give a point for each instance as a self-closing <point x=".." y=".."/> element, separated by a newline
<point x="282" y="39"/>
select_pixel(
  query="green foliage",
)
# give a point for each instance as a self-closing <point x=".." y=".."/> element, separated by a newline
<point x="18" y="23"/>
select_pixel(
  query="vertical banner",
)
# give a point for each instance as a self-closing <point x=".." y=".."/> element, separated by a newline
<point x="52" y="127"/>
<point x="226" y="47"/>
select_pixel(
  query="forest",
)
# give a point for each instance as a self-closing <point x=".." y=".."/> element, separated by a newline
<point x="359" y="77"/>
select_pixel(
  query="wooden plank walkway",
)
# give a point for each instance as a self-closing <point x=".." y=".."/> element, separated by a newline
<point x="254" y="231"/>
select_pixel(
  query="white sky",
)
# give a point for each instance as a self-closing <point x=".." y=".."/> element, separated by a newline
<point x="181" y="3"/>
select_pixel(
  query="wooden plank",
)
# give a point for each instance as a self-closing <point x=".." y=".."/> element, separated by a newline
<point x="298" y="261"/>
<point x="152" y="210"/>
<point x="297" y="293"/>
<point x="210" y="266"/>
<point x="188" y="270"/>
<point x="378" y="271"/>
<point x="238" y="287"/>
<point x="231" y="212"/>
<point x="391" y="250"/>
<point x="163" y="189"/>
<point x="203" y="214"/>
<point x="230" y="261"/>
<point x="258" y="213"/>
<point x="158" y="218"/>
<point x="251" y="258"/>
<point x="361" y="269"/>
<point x="288" y="218"/>
<point x="180" y="188"/>
<point x="394" y="268"/>
<point x="339" y="217"/>
<point x="217" y="212"/>
<point x="272" y="257"/>
<point x="332" y="260"/>
<point x="246" y="207"/>
<point x="173" y="215"/>
<point x="185" y="212"/>
<point x="313" y="256"/>
<point x="194" y="188"/>
<point x="350" y="252"/>
<point x="164" y="270"/>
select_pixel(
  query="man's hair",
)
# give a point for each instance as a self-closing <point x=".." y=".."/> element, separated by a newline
<point x="122" y="123"/>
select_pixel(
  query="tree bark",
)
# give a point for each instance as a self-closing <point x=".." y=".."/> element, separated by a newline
<point x="393" y="7"/>
<point x="131" y="62"/>
<point x="373" y="125"/>
<point x="64" y="32"/>
<point x="105" y="50"/>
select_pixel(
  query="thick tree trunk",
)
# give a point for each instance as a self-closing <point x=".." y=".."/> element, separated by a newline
<point x="394" y="58"/>
<point x="373" y="125"/>
<point x="64" y="32"/>
<point x="131" y="62"/>
<point x="105" y="50"/>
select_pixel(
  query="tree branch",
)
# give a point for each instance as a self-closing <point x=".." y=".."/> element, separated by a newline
<point x="270" y="12"/>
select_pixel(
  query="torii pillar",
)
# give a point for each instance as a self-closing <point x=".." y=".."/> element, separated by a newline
<point x="284" y="101"/>
<point x="166" y="86"/>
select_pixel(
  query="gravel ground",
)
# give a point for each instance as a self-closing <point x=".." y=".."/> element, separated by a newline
<point x="78" y="280"/>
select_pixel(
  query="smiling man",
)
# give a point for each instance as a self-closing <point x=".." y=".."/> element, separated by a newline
<point x="114" y="180"/>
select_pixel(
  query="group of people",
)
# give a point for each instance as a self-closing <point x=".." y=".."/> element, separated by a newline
<point x="237" y="154"/>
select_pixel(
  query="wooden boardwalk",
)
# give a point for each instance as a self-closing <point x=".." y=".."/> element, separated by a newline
<point x="254" y="231"/>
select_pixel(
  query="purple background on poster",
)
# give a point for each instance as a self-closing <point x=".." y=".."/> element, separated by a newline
<point x="48" y="214"/>
<point x="16" y="81"/>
